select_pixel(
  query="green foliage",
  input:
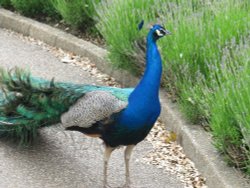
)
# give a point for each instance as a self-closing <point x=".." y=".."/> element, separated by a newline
<point x="206" y="60"/>
<point x="199" y="36"/>
<point x="209" y="63"/>
<point x="48" y="9"/>
<point x="230" y="120"/>
<point x="208" y="45"/>
<point x="28" y="7"/>
<point x="117" y="23"/>
<point x="77" y="13"/>
<point x="5" y="3"/>
<point x="35" y="8"/>
<point x="224" y="100"/>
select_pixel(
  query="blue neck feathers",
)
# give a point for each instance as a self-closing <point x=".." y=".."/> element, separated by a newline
<point x="144" y="105"/>
<point x="150" y="82"/>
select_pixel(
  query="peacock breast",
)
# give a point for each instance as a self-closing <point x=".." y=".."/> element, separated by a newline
<point x="130" y="128"/>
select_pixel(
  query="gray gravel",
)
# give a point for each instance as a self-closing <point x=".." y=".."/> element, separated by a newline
<point x="62" y="159"/>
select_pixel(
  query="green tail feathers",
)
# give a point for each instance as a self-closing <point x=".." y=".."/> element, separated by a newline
<point x="28" y="103"/>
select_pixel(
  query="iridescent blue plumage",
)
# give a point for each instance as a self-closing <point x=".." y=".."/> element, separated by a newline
<point x="133" y="124"/>
<point x="119" y="116"/>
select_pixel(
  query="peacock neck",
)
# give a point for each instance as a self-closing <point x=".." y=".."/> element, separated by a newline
<point x="150" y="83"/>
<point x="143" y="103"/>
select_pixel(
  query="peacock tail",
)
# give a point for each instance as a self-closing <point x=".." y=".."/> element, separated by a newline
<point x="28" y="103"/>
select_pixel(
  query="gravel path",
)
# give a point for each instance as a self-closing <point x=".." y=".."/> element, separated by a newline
<point x="166" y="154"/>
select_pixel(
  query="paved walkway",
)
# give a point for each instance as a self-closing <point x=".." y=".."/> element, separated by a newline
<point x="65" y="159"/>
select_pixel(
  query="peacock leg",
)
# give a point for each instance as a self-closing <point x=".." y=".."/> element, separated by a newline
<point x="107" y="153"/>
<point x="127" y="155"/>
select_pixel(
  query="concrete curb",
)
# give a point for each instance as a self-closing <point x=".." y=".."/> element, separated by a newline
<point x="196" y="142"/>
<point x="60" y="39"/>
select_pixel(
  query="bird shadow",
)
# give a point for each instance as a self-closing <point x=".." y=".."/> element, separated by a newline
<point x="55" y="157"/>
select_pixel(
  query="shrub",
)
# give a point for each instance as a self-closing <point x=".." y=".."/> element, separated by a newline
<point x="117" y="23"/>
<point x="230" y="119"/>
<point x="50" y="10"/>
<point x="210" y="64"/>
<point x="77" y="13"/>
<point x="35" y="8"/>
<point x="28" y="7"/>
<point x="195" y="59"/>
<point x="200" y="36"/>
<point x="5" y="3"/>
<point x="225" y="102"/>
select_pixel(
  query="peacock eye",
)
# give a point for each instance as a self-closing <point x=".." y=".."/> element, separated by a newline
<point x="159" y="33"/>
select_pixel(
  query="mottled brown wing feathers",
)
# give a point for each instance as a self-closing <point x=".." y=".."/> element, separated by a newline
<point x="91" y="108"/>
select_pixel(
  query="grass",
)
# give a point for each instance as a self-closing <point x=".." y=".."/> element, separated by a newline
<point x="212" y="74"/>
<point x="77" y="13"/>
<point x="117" y="23"/>
<point x="34" y="8"/>
<point x="5" y="3"/>
<point x="28" y="8"/>
<point x="206" y="59"/>
<point x="231" y="120"/>
<point x="197" y="68"/>
<point x="199" y="37"/>
<point x="196" y="48"/>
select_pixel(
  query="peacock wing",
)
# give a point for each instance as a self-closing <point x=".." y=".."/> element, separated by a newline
<point x="28" y="103"/>
<point x="92" y="107"/>
<point x="120" y="93"/>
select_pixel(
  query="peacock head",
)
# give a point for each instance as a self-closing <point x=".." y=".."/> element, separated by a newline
<point x="158" y="31"/>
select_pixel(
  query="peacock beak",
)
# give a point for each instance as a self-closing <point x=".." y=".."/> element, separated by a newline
<point x="166" y="32"/>
<point x="162" y="32"/>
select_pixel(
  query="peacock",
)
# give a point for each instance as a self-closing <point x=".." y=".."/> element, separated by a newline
<point x="118" y="116"/>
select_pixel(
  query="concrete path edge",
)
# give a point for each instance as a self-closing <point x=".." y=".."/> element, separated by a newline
<point x="196" y="142"/>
